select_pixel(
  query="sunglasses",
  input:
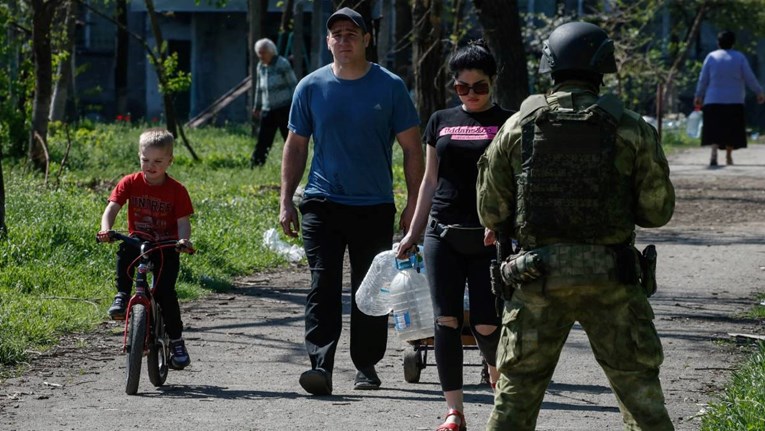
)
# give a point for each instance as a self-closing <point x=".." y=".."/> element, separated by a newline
<point x="479" y="88"/>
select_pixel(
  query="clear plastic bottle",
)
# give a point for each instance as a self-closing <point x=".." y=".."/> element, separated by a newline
<point x="412" y="306"/>
<point x="373" y="295"/>
<point x="695" y="121"/>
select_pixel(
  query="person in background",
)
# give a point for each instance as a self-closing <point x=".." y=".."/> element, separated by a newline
<point x="159" y="208"/>
<point x="274" y="87"/>
<point x="721" y="89"/>
<point x="569" y="176"/>
<point x="353" y="109"/>
<point x="454" y="238"/>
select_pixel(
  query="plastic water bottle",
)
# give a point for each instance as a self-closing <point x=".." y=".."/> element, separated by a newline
<point x="466" y="299"/>
<point x="373" y="295"/>
<point x="695" y="121"/>
<point x="412" y="307"/>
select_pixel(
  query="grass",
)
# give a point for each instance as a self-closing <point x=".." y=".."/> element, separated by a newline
<point x="740" y="407"/>
<point x="54" y="277"/>
<point x="758" y="312"/>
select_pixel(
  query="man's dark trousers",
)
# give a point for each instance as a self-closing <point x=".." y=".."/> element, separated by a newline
<point x="328" y="228"/>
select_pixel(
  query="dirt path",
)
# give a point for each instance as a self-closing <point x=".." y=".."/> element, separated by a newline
<point x="247" y="351"/>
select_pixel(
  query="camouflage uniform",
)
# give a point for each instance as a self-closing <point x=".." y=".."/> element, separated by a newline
<point x="580" y="283"/>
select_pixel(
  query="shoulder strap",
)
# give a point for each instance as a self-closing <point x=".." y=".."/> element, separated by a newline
<point x="531" y="105"/>
<point x="611" y="105"/>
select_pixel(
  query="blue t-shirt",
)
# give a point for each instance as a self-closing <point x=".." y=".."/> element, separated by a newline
<point x="353" y="124"/>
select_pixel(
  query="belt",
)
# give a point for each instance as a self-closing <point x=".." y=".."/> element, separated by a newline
<point x="440" y="228"/>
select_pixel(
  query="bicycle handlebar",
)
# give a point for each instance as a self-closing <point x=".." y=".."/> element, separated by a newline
<point x="136" y="242"/>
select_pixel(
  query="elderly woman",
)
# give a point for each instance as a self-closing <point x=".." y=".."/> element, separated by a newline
<point x="722" y="87"/>
<point x="275" y="84"/>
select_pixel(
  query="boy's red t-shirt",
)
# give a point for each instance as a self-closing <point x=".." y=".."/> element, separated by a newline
<point x="153" y="210"/>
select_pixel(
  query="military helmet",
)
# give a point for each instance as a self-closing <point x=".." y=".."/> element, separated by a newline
<point x="578" y="46"/>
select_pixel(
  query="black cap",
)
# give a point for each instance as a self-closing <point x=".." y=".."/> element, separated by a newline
<point x="349" y="14"/>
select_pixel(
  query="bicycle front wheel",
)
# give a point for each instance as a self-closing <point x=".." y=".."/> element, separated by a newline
<point x="159" y="351"/>
<point x="136" y="339"/>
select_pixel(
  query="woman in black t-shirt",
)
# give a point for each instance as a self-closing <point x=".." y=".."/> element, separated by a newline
<point x="454" y="249"/>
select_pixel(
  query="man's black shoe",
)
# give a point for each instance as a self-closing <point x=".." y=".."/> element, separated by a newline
<point x="366" y="379"/>
<point x="316" y="382"/>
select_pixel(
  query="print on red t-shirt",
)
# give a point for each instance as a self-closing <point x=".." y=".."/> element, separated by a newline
<point x="153" y="209"/>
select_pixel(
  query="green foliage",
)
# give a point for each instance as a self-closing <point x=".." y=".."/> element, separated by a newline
<point x="16" y="83"/>
<point x="55" y="278"/>
<point x="740" y="407"/>
<point x="175" y="80"/>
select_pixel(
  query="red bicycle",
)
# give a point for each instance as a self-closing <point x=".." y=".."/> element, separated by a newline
<point x="144" y="327"/>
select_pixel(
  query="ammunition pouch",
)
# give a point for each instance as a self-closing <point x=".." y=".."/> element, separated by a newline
<point x="522" y="268"/>
<point x="648" y="269"/>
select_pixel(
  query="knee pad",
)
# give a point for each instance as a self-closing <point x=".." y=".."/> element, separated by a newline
<point x="487" y="344"/>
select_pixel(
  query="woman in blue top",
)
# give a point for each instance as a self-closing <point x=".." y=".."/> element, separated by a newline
<point x="722" y="87"/>
<point x="454" y="238"/>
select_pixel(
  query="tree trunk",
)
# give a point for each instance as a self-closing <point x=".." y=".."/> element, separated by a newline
<point x="256" y="9"/>
<point x="502" y="30"/>
<point x="285" y="29"/>
<point x="427" y="57"/>
<point x="65" y="75"/>
<point x="403" y="39"/>
<point x="121" y="57"/>
<point x="171" y="122"/>
<point x="42" y="17"/>
<point x="161" y="50"/>
<point x="298" y="49"/>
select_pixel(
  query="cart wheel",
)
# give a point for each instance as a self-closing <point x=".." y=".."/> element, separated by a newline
<point x="413" y="365"/>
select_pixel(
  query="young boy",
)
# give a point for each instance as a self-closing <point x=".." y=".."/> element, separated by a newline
<point x="159" y="208"/>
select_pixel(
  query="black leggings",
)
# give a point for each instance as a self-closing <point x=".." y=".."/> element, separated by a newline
<point x="448" y="270"/>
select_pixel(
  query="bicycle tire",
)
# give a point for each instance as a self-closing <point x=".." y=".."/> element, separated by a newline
<point x="159" y="354"/>
<point x="136" y="339"/>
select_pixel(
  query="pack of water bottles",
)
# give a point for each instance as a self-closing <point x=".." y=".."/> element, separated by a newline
<point x="400" y="288"/>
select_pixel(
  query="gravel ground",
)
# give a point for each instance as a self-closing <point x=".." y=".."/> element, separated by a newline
<point x="247" y="348"/>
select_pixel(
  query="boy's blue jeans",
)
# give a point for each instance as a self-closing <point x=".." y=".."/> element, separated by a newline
<point x="328" y="229"/>
<point x="166" y="268"/>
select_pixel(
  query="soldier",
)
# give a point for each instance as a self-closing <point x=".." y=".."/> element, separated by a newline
<point x="569" y="176"/>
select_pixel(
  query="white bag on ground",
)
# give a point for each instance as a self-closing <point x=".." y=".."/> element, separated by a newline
<point x="273" y="242"/>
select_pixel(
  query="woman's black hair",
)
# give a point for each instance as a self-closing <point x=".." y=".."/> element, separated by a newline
<point x="474" y="55"/>
<point x="726" y="39"/>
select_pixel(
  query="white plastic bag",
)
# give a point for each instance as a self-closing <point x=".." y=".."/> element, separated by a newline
<point x="273" y="242"/>
<point x="694" y="124"/>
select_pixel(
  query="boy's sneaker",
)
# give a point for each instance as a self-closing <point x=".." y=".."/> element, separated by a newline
<point x="117" y="310"/>
<point x="179" y="357"/>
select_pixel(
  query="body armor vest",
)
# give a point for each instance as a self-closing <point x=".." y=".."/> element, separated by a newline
<point x="569" y="189"/>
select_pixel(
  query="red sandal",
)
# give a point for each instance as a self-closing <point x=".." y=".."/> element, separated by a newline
<point x="451" y="426"/>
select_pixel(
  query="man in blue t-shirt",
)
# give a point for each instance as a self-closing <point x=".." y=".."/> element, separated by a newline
<point x="353" y="109"/>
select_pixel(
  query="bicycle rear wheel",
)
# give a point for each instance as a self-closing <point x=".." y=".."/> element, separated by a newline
<point x="136" y="339"/>
<point x="159" y="351"/>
